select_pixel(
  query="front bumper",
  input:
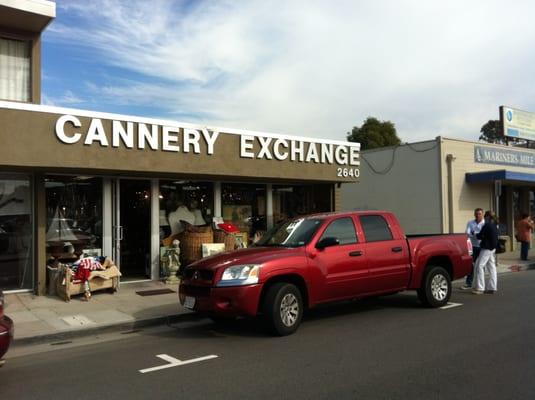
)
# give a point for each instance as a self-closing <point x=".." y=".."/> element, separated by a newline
<point x="234" y="301"/>
<point x="6" y="336"/>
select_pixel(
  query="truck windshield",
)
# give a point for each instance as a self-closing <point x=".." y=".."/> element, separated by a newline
<point x="293" y="233"/>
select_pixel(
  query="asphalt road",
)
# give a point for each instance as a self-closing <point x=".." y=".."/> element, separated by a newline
<point x="385" y="348"/>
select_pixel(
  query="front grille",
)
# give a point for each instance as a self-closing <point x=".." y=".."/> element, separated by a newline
<point x="195" y="291"/>
<point x="199" y="274"/>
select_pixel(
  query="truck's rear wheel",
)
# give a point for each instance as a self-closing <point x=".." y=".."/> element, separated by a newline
<point x="283" y="308"/>
<point x="436" y="288"/>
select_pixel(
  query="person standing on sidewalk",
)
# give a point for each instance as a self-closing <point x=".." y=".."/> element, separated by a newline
<point x="473" y="227"/>
<point x="524" y="227"/>
<point x="487" y="256"/>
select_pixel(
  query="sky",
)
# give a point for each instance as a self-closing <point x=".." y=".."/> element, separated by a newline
<point x="307" y="68"/>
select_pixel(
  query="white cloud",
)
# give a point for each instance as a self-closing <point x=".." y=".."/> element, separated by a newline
<point x="315" y="67"/>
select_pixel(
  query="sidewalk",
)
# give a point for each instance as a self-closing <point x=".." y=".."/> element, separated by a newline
<point x="48" y="318"/>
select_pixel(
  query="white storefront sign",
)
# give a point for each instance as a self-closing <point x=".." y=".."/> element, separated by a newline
<point x="174" y="138"/>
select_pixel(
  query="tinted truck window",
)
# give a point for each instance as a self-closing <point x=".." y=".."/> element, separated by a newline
<point x="341" y="229"/>
<point x="375" y="228"/>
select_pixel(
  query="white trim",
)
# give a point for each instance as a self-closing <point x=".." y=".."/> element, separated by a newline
<point x="269" y="206"/>
<point x="217" y="200"/>
<point x="17" y="291"/>
<point x="40" y="7"/>
<point x="136" y="281"/>
<point x="163" y="122"/>
<point x="155" y="229"/>
<point x="107" y="218"/>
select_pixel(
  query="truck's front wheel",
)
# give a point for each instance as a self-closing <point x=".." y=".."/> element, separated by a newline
<point x="283" y="308"/>
<point x="436" y="288"/>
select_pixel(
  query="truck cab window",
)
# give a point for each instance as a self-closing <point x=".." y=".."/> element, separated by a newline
<point x="342" y="229"/>
<point x="375" y="228"/>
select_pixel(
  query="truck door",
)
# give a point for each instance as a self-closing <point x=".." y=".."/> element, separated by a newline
<point x="343" y="265"/>
<point x="387" y="255"/>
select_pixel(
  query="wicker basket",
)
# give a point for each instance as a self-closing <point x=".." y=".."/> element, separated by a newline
<point x="191" y="244"/>
<point x="223" y="237"/>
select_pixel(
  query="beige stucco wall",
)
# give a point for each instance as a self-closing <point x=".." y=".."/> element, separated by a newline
<point x="406" y="181"/>
<point x="468" y="196"/>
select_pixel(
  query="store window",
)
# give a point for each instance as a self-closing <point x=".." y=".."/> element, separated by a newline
<point x="290" y="201"/>
<point x="244" y="205"/>
<point x="517" y="209"/>
<point x="15" y="81"/>
<point x="192" y="202"/>
<point x="186" y="212"/>
<point x="16" y="249"/>
<point x="74" y="216"/>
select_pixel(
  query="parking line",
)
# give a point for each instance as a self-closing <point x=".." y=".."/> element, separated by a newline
<point x="450" y="305"/>
<point x="174" y="362"/>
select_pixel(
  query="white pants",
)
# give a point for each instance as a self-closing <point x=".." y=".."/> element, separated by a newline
<point x="486" y="262"/>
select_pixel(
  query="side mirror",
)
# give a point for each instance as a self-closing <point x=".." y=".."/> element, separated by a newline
<point x="327" y="242"/>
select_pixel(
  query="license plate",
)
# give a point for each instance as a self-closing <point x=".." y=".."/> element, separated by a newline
<point x="189" y="302"/>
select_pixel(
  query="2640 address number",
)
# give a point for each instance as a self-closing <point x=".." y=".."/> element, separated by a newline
<point x="347" y="172"/>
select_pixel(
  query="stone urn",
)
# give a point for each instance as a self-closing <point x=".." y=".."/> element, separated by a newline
<point x="172" y="261"/>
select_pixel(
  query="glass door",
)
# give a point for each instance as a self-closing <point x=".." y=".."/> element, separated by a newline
<point x="132" y="228"/>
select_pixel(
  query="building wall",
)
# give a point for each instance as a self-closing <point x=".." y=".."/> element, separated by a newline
<point x="30" y="139"/>
<point x="467" y="197"/>
<point x="403" y="179"/>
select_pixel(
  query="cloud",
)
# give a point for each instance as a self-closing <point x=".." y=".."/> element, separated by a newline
<point x="67" y="98"/>
<point x="313" y="68"/>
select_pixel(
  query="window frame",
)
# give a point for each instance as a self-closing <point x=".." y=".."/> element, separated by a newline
<point x="362" y="225"/>
<point x="30" y="40"/>
<point x="322" y="236"/>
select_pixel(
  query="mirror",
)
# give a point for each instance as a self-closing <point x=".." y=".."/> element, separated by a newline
<point x="327" y="242"/>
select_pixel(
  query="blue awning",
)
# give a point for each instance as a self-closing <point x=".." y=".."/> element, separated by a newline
<point x="499" y="175"/>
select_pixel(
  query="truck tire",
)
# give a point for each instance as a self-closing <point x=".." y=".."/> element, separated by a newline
<point x="436" y="287"/>
<point x="283" y="308"/>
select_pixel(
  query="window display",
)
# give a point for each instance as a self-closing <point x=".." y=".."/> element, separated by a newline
<point x="16" y="244"/>
<point x="244" y="205"/>
<point x="186" y="211"/>
<point x="192" y="202"/>
<point x="290" y="201"/>
<point x="74" y="216"/>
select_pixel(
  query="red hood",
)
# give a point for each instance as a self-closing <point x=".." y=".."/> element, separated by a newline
<point x="252" y="255"/>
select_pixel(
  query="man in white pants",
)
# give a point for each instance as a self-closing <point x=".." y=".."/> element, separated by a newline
<point x="487" y="257"/>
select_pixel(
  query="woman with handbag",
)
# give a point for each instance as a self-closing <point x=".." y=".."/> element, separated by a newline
<point x="524" y="227"/>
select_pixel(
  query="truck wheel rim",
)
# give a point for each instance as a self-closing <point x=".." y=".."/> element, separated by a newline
<point x="289" y="309"/>
<point x="439" y="287"/>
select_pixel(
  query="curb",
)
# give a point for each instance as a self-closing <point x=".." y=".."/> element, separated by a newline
<point x="133" y="326"/>
<point x="125" y="327"/>
<point x="517" y="268"/>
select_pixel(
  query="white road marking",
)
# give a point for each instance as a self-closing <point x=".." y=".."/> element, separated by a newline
<point x="451" y="305"/>
<point x="173" y="362"/>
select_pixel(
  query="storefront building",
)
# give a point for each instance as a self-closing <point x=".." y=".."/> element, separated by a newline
<point x="434" y="186"/>
<point x="76" y="182"/>
<point x="118" y="185"/>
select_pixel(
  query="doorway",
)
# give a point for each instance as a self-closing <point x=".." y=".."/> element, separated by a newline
<point x="132" y="228"/>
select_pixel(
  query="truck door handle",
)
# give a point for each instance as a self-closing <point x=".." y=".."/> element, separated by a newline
<point x="397" y="249"/>
<point x="357" y="253"/>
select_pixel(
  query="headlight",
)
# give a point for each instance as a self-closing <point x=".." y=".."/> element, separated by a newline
<point x="240" y="275"/>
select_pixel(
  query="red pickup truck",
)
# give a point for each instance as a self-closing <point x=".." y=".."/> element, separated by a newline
<point x="324" y="258"/>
